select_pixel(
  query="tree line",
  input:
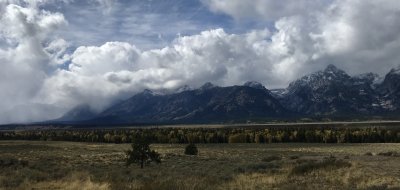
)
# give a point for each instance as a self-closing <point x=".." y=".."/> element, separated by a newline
<point x="214" y="135"/>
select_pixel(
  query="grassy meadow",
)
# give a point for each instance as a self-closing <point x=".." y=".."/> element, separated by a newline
<point x="73" y="165"/>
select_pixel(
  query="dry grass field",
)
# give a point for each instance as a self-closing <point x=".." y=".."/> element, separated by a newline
<point x="69" y="165"/>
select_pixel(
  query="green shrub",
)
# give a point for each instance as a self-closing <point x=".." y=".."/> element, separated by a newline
<point x="294" y="157"/>
<point x="191" y="149"/>
<point x="368" y="154"/>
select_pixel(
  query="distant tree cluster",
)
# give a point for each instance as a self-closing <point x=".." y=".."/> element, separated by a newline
<point x="215" y="135"/>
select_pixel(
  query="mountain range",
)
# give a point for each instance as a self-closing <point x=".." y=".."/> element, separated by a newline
<point x="330" y="93"/>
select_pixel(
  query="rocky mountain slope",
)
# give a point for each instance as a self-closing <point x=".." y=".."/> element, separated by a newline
<point x="333" y="92"/>
<point x="206" y="104"/>
<point x="328" y="93"/>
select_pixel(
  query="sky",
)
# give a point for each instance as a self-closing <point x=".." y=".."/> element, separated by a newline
<point x="58" y="54"/>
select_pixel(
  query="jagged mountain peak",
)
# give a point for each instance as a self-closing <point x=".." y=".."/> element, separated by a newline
<point x="207" y="86"/>
<point x="321" y="79"/>
<point x="369" y="78"/>
<point x="391" y="85"/>
<point x="147" y="92"/>
<point x="333" y="91"/>
<point x="332" y="70"/>
<point x="254" y="84"/>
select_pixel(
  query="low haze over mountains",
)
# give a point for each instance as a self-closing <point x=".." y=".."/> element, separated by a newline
<point x="325" y="94"/>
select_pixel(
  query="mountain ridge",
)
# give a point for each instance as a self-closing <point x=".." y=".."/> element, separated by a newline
<point x="216" y="104"/>
<point x="327" y="93"/>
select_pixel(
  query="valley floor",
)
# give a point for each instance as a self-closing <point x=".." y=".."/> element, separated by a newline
<point x="70" y="165"/>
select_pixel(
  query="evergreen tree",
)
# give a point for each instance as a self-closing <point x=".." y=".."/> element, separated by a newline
<point x="141" y="153"/>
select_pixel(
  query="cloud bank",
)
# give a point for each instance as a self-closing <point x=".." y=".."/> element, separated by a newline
<point x="25" y="59"/>
<point x="42" y="76"/>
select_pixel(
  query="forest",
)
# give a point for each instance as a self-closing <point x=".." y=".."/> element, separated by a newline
<point x="214" y="135"/>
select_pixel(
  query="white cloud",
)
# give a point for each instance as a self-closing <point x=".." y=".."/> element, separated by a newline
<point x="263" y="10"/>
<point x="349" y="33"/>
<point x="23" y="59"/>
<point x="56" y="50"/>
<point x="110" y="57"/>
<point x="359" y="36"/>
